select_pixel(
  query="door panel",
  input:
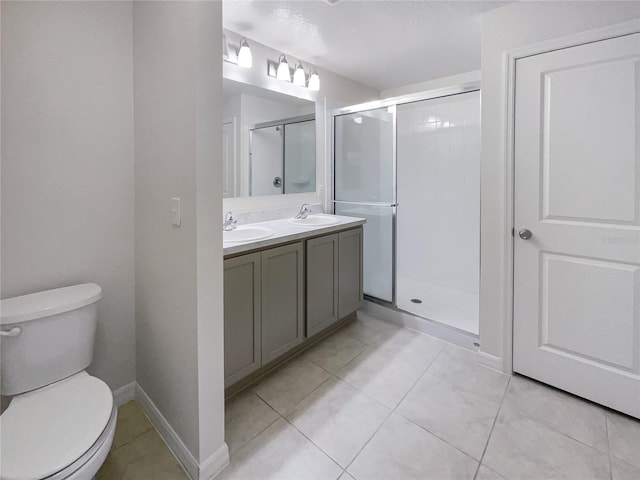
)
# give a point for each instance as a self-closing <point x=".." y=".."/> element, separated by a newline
<point x="350" y="294"/>
<point x="266" y="161"/>
<point x="242" y="322"/>
<point x="322" y="283"/>
<point x="578" y="133"/>
<point x="300" y="157"/>
<point x="377" y="247"/>
<point x="609" y="325"/>
<point x="577" y="188"/>
<point x="282" y="300"/>
<point x="364" y="149"/>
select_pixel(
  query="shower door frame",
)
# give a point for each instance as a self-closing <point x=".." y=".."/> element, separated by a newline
<point x="377" y="104"/>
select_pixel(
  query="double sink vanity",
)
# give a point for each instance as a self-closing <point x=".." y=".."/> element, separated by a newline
<point x="286" y="283"/>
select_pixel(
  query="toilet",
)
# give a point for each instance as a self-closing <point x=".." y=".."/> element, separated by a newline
<point x="61" y="420"/>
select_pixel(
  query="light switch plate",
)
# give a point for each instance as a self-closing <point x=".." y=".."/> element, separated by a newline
<point x="175" y="211"/>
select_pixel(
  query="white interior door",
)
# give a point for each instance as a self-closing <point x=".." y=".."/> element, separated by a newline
<point x="577" y="189"/>
<point x="228" y="160"/>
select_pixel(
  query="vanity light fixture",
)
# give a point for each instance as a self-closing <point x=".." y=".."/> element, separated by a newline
<point x="245" y="60"/>
<point x="283" y="72"/>
<point x="299" y="77"/>
<point x="314" y="81"/>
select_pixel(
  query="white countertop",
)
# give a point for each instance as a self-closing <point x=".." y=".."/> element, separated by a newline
<point x="285" y="231"/>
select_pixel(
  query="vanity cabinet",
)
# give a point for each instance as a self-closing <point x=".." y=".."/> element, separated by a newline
<point x="242" y="316"/>
<point x="282" y="300"/>
<point x="322" y="283"/>
<point x="278" y="297"/>
<point x="350" y="294"/>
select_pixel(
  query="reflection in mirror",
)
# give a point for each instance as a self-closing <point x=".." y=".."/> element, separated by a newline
<point x="269" y="142"/>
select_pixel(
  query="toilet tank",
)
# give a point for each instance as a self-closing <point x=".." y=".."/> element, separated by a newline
<point x="46" y="336"/>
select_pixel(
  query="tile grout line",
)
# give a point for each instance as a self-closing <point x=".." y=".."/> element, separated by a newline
<point x="426" y="429"/>
<point x="336" y="377"/>
<point x="495" y="420"/>
<point x="254" y="436"/>
<point x="133" y="438"/>
<point x="391" y="412"/>
<point x="314" y="444"/>
<point x="606" y="424"/>
<point x="297" y="429"/>
<point x="551" y="426"/>
<point x="394" y="409"/>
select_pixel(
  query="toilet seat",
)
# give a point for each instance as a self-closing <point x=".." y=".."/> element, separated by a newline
<point x="47" y="430"/>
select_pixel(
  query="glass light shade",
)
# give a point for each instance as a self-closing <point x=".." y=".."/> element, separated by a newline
<point x="245" y="60"/>
<point x="314" y="81"/>
<point x="283" y="72"/>
<point x="299" y="77"/>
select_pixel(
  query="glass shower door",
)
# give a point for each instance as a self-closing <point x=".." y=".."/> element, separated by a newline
<point x="266" y="159"/>
<point x="300" y="157"/>
<point x="365" y="187"/>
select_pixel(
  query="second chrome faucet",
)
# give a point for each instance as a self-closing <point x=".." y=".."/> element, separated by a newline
<point x="305" y="210"/>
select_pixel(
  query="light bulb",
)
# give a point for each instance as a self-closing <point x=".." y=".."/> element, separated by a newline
<point x="314" y="81"/>
<point x="283" y="72"/>
<point x="245" y="59"/>
<point x="299" y="77"/>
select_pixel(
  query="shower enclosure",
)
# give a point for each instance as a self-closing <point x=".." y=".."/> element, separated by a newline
<point x="411" y="167"/>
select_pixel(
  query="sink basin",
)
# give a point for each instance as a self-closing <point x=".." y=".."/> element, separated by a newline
<point x="246" y="234"/>
<point x="316" y="220"/>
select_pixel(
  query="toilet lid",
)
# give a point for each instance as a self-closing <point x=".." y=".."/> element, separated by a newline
<point x="45" y="430"/>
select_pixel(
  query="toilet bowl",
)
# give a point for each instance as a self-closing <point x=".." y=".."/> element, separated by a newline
<point x="61" y="420"/>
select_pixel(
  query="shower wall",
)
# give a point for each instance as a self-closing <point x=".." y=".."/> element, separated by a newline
<point x="438" y="216"/>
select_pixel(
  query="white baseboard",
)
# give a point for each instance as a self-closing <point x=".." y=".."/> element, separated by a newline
<point x="491" y="361"/>
<point x="213" y="465"/>
<point x="124" y="394"/>
<point x="168" y="434"/>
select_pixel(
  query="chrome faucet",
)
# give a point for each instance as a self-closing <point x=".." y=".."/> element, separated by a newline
<point x="229" y="222"/>
<point x="305" y="210"/>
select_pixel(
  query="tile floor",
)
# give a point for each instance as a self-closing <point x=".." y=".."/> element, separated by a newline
<point x="138" y="452"/>
<point x="375" y="401"/>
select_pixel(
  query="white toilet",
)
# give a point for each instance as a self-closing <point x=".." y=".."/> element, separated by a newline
<point x="61" y="420"/>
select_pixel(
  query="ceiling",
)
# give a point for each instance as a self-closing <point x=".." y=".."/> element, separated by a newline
<point x="382" y="44"/>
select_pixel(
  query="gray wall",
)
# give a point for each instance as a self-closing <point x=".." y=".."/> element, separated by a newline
<point x="67" y="162"/>
<point x="178" y="113"/>
<point x="513" y="26"/>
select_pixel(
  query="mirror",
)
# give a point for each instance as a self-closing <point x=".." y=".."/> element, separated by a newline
<point x="269" y="142"/>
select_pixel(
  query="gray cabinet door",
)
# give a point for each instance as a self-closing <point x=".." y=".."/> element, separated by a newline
<point x="242" y="336"/>
<point x="350" y="294"/>
<point x="322" y="283"/>
<point x="282" y="300"/>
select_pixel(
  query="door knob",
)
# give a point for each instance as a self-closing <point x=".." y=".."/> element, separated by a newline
<point x="525" y="234"/>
